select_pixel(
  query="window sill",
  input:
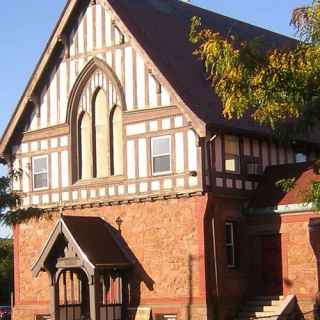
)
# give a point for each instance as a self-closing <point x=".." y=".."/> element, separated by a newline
<point x="40" y="189"/>
<point x="232" y="268"/>
<point x="98" y="181"/>
<point x="238" y="173"/>
<point x="161" y="174"/>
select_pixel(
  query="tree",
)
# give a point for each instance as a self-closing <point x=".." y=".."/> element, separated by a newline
<point x="6" y="271"/>
<point x="10" y="211"/>
<point x="275" y="86"/>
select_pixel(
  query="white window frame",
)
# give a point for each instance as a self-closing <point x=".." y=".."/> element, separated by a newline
<point x="169" y="316"/>
<point x="236" y="156"/>
<point x="230" y="245"/>
<point x="298" y="156"/>
<point x="163" y="154"/>
<point x="34" y="173"/>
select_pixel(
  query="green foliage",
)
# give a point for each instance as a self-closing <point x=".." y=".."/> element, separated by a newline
<point x="306" y="21"/>
<point x="10" y="201"/>
<point x="276" y="87"/>
<point x="309" y="195"/>
<point x="286" y="185"/>
<point x="272" y="86"/>
<point x="312" y="195"/>
<point x="6" y="271"/>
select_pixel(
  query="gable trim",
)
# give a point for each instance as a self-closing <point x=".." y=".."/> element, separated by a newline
<point x="27" y="96"/>
<point x="60" y="228"/>
<point x="93" y="65"/>
<point x="56" y="39"/>
<point x="197" y="123"/>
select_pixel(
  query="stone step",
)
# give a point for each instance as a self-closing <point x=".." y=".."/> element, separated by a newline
<point x="259" y="314"/>
<point x="264" y="302"/>
<point x="263" y="307"/>
<point x="264" y="298"/>
<point x="258" y="308"/>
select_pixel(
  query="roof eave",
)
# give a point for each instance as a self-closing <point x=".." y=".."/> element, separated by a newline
<point x="38" y="71"/>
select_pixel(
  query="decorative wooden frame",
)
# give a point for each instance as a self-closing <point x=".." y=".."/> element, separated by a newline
<point x="73" y="104"/>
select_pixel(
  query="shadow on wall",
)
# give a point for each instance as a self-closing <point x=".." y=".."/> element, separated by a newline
<point x="137" y="275"/>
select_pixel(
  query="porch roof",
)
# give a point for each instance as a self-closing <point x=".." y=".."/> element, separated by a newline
<point x="93" y="239"/>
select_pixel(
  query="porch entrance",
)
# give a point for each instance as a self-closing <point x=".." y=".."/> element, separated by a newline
<point x="88" y="270"/>
<point x="73" y="300"/>
<point x="74" y="296"/>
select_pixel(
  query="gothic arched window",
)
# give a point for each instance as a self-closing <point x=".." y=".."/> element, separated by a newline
<point x="100" y="132"/>
<point x="85" y="146"/>
<point x="116" y="142"/>
<point x="94" y="114"/>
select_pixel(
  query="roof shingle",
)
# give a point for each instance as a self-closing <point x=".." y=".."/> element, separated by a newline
<point x="162" y="28"/>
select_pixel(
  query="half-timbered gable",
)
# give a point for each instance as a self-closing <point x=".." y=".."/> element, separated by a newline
<point x="104" y="125"/>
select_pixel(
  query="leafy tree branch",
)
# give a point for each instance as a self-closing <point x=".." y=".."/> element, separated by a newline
<point x="11" y="212"/>
<point x="274" y="86"/>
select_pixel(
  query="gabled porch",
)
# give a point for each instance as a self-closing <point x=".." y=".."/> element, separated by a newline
<point x="87" y="268"/>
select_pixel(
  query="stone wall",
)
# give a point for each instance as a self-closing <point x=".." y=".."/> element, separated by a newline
<point x="300" y="244"/>
<point x="166" y="237"/>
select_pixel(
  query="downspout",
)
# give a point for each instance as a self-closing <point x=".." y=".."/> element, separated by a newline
<point x="216" y="270"/>
<point x="216" y="304"/>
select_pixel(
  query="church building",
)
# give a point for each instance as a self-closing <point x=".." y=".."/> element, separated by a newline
<point x="156" y="207"/>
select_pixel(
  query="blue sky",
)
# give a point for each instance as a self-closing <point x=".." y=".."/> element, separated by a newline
<point x="25" y="27"/>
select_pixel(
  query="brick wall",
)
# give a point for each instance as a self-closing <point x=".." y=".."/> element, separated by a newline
<point x="300" y="246"/>
<point x="165" y="236"/>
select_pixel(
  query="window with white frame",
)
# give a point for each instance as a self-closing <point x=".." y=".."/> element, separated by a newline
<point x="40" y="172"/>
<point x="230" y="244"/>
<point x="300" y="157"/>
<point x="232" y="154"/>
<point x="161" y="155"/>
<point x="166" y="316"/>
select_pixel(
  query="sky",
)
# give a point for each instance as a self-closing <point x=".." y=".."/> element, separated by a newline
<point x="25" y="27"/>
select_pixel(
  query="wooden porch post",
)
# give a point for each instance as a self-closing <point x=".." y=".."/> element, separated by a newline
<point x="94" y="296"/>
<point x="54" y="297"/>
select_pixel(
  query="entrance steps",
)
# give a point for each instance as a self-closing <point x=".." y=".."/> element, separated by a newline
<point x="264" y="307"/>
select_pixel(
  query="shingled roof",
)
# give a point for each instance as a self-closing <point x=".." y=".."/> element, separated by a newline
<point x="161" y="27"/>
<point x="94" y="240"/>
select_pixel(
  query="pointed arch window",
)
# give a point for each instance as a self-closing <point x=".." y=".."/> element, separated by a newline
<point x="85" y="146"/>
<point x="116" y="142"/>
<point x="95" y="116"/>
<point x="100" y="132"/>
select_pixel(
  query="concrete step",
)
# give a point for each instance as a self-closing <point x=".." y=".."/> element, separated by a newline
<point x="264" y="298"/>
<point x="260" y="308"/>
<point x="259" y="314"/>
<point x="264" y="302"/>
<point x="264" y="307"/>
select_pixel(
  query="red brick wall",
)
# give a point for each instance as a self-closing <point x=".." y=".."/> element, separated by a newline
<point x="232" y="283"/>
<point x="165" y="236"/>
<point x="170" y="239"/>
